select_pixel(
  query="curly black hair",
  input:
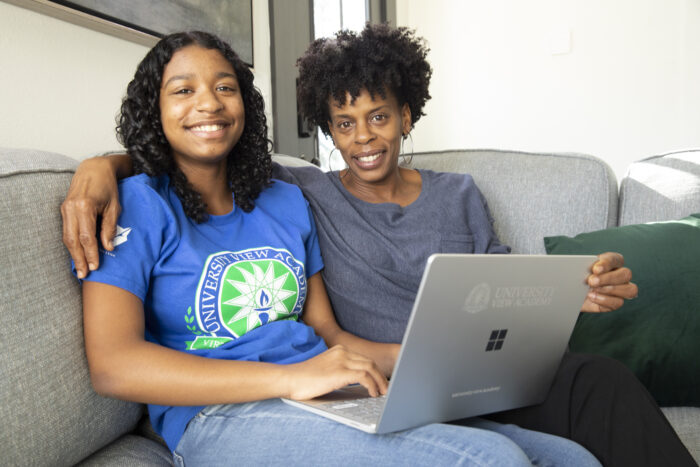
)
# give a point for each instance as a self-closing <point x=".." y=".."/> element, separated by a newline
<point x="139" y="128"/>
<point x="380" y="58"/>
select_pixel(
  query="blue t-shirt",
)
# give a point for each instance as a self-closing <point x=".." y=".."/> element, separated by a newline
<point x="229" y="288"/>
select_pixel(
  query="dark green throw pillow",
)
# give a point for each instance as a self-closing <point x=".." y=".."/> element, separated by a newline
<point x="657" y="334"/>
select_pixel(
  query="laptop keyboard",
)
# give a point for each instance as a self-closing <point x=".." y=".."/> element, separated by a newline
<point x="365" y="410"/>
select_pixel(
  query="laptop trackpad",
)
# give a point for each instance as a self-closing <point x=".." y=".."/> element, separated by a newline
<point x="348" y="394"/>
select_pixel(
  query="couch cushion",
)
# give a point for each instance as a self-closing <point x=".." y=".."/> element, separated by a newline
<point x="49" y="411"/>
<point x="656" y="334"/>
<point x="661" y="188"/>
<point x="534" y="195"/>
<point x="290" y="161"/>
<point x="686" y="422"/>
<point x="131" y="450"/>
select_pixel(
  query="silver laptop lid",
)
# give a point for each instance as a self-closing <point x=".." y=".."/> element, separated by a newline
<point x="487" y="333"/>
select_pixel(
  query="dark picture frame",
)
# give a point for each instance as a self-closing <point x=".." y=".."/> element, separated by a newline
<point x="146" y="21"/>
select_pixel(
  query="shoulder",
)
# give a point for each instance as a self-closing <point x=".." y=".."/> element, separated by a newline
<point x="299" y="175"/>
<point x="280" y="188"/>
<point x="282" y="198"/>
<point x="448" y="180"/>
<point x="146" y="225"/>
<point x="444" y="187"/>
<point x="143" y="185"/>
<point x="284" y="203"/>
<point x="142" y="196"/>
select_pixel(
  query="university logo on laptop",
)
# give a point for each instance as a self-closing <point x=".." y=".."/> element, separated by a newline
<point x="478" y="299"/>
<point x="240" y="291"/>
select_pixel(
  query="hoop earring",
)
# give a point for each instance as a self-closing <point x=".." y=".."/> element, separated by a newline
<point x="406" y="161"/>
<point x="330" y="161"/>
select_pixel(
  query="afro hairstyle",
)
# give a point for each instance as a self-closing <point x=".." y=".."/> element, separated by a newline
<point x="379" y="59"/>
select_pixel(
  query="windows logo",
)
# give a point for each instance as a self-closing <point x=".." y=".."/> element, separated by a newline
<point x="496" y="339"/>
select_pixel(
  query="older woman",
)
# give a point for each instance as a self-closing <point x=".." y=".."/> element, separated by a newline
<point x="378" y="222"/>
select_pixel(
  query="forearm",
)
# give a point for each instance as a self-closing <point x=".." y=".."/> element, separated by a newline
<point x="124" y="365"/>
<point x="319" y="315"/>
<point x="102" y="168"/>
<point x="120" y="164"/>
<point x="149" y="373"/>
<point x="132" y="369"/>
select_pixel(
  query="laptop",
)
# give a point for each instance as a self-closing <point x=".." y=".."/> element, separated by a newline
<point x="486" y="334"/>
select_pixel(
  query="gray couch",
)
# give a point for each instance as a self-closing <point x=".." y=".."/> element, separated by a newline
<point x="50" y="414"/>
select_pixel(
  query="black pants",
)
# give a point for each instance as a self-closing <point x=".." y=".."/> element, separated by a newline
<point x="600" y="404"/>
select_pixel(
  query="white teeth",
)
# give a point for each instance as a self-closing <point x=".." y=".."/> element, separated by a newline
<point x="207" y="128"/>
<point x="368" y="158"/>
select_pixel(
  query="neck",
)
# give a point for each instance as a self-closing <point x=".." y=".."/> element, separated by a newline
<point x="211" y="183"/>
<point x="402" y="187"/>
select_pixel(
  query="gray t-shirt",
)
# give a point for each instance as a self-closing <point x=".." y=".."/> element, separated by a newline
<point x="374" y="254"/>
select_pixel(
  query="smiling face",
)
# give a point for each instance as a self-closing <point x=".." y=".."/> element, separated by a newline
<point x="368" y="134"/>
<point x="201" y="106"/>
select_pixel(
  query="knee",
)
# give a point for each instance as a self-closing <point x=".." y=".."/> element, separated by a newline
<point x="598" y="369"/>
<point x="545" y="449"/>
<point x="562" y="451"/>
<point x="493" y="449"/>
<point x="439" y="444"/>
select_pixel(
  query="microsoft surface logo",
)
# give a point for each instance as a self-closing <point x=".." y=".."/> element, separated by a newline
<point x="496" y="339"/>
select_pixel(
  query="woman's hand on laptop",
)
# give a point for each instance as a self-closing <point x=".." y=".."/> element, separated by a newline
<point x="335" y="368"/>
<point x="609" y="284"/>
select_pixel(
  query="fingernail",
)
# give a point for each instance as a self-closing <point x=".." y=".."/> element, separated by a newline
<point x="91" y="266"/>
<point x="81" y="274"/>
<point x="591" y="295"/>
<point x="595" y="281"/>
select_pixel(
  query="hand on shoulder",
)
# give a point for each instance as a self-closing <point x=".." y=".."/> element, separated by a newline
<point x="93" y="192"/>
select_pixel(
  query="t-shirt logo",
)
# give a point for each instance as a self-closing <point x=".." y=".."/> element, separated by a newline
<point x="240" y="291"/>
<point x="257" y="292"/>
<point x="121" y="236"/>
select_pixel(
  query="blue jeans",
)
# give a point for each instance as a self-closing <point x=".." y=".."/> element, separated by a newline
<point x="271" y="432"/>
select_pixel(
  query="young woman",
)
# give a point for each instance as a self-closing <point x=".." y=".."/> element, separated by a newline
<point x="378" y="222"/>
<point x="196" y="308"/>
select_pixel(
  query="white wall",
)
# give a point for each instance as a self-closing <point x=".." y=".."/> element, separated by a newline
<point x="62" y="84"/>
<point x="629" y="87"/>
